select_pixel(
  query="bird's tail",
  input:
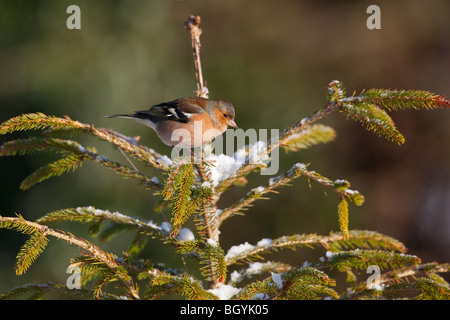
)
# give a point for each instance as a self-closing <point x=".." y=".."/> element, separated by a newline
<point x="126" y="116"/>
<point x="136" y="117"/>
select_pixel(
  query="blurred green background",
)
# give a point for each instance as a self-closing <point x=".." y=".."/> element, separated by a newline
<point x="273" y="60"/>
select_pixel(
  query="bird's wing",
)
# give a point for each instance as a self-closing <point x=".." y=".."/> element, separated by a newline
<point x="173" y="110"/>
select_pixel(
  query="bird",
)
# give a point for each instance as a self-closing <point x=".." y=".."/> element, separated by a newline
<point x="187" y="122"/>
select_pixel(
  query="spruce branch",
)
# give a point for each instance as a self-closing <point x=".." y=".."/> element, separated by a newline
<point x="306" y="283"/>
<point x="36" y="291"/>
<point x="343" y="217"/>
<point x="401" y="99"/>
<point x="212" y="257"/>
<point x="207" y="221"/>
<point x="37" y="144"/>
<point x="140" y="152"/>
<point x="40" y="121"/>
<point x="313" y="135"/>
<point x="296" y="283"/>
<point x="364" y="108"/>
<point x="273" y="143"/>
<point x="255" y="269"/>
<point x="164" y="284"/>
<point x="190" y="193"/>
<point x="416" y="282"/>
<point x="362" y="239"/>
<point x="291" y="133"/>
<point x="257" y="193"/>
<point x="37" y="121"/>
<point x="75" y="154"/>
<point x="54" y="169"/>
<point x="96" y="275"/>
<point x="333" y="242"/>
<point x="367" y="108"/>
<point x="178" y="188"/>
<point x="31" y="251"/>
<point x="375" y="119"/>
<point x="408" y="273"/>
<point x="262" y="290"/>
<point x="96" y="216"/>
<point x="362" y="259"/>
<point x="432" y="289"/>
<point x="341" y="187"/>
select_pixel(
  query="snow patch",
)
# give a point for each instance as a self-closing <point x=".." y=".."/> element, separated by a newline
<point x="225" y="291"/>
<point x="224" y="166"/>
<point x="276" y="277"/>
<point x="211" y="242"/>
<point x="238" y="250"/>
<point x="166" y="227"/>
<point x="185" y="234"/>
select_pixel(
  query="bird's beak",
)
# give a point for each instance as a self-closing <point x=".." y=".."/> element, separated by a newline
<point x="233" y="124"/>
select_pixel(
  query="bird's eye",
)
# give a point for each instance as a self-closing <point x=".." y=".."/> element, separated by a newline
<point x="225" y="115"/>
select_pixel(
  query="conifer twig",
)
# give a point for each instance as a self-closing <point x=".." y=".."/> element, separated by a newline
<point x="280" y="141"/>
<point x="40" y="121"/>
<point x="91" y="214"/>
<point x="35" y="291"/>
<point x="108" y="259"/>
<point x="74" y="154"/>
<point x="417" y="271"/>
<point x="301" y="125"/>
<point x="256" y="193"/>
<point x="332" y="242"/>
<point x="339" y="186"/>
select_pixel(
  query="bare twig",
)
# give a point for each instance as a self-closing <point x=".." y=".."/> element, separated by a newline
<point x="192" y="25"/>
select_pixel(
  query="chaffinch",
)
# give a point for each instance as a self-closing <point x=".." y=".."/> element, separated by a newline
<point x="186" y="122"/>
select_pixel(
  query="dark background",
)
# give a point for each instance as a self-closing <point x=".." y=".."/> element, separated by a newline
<point x="273" y="60"/>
